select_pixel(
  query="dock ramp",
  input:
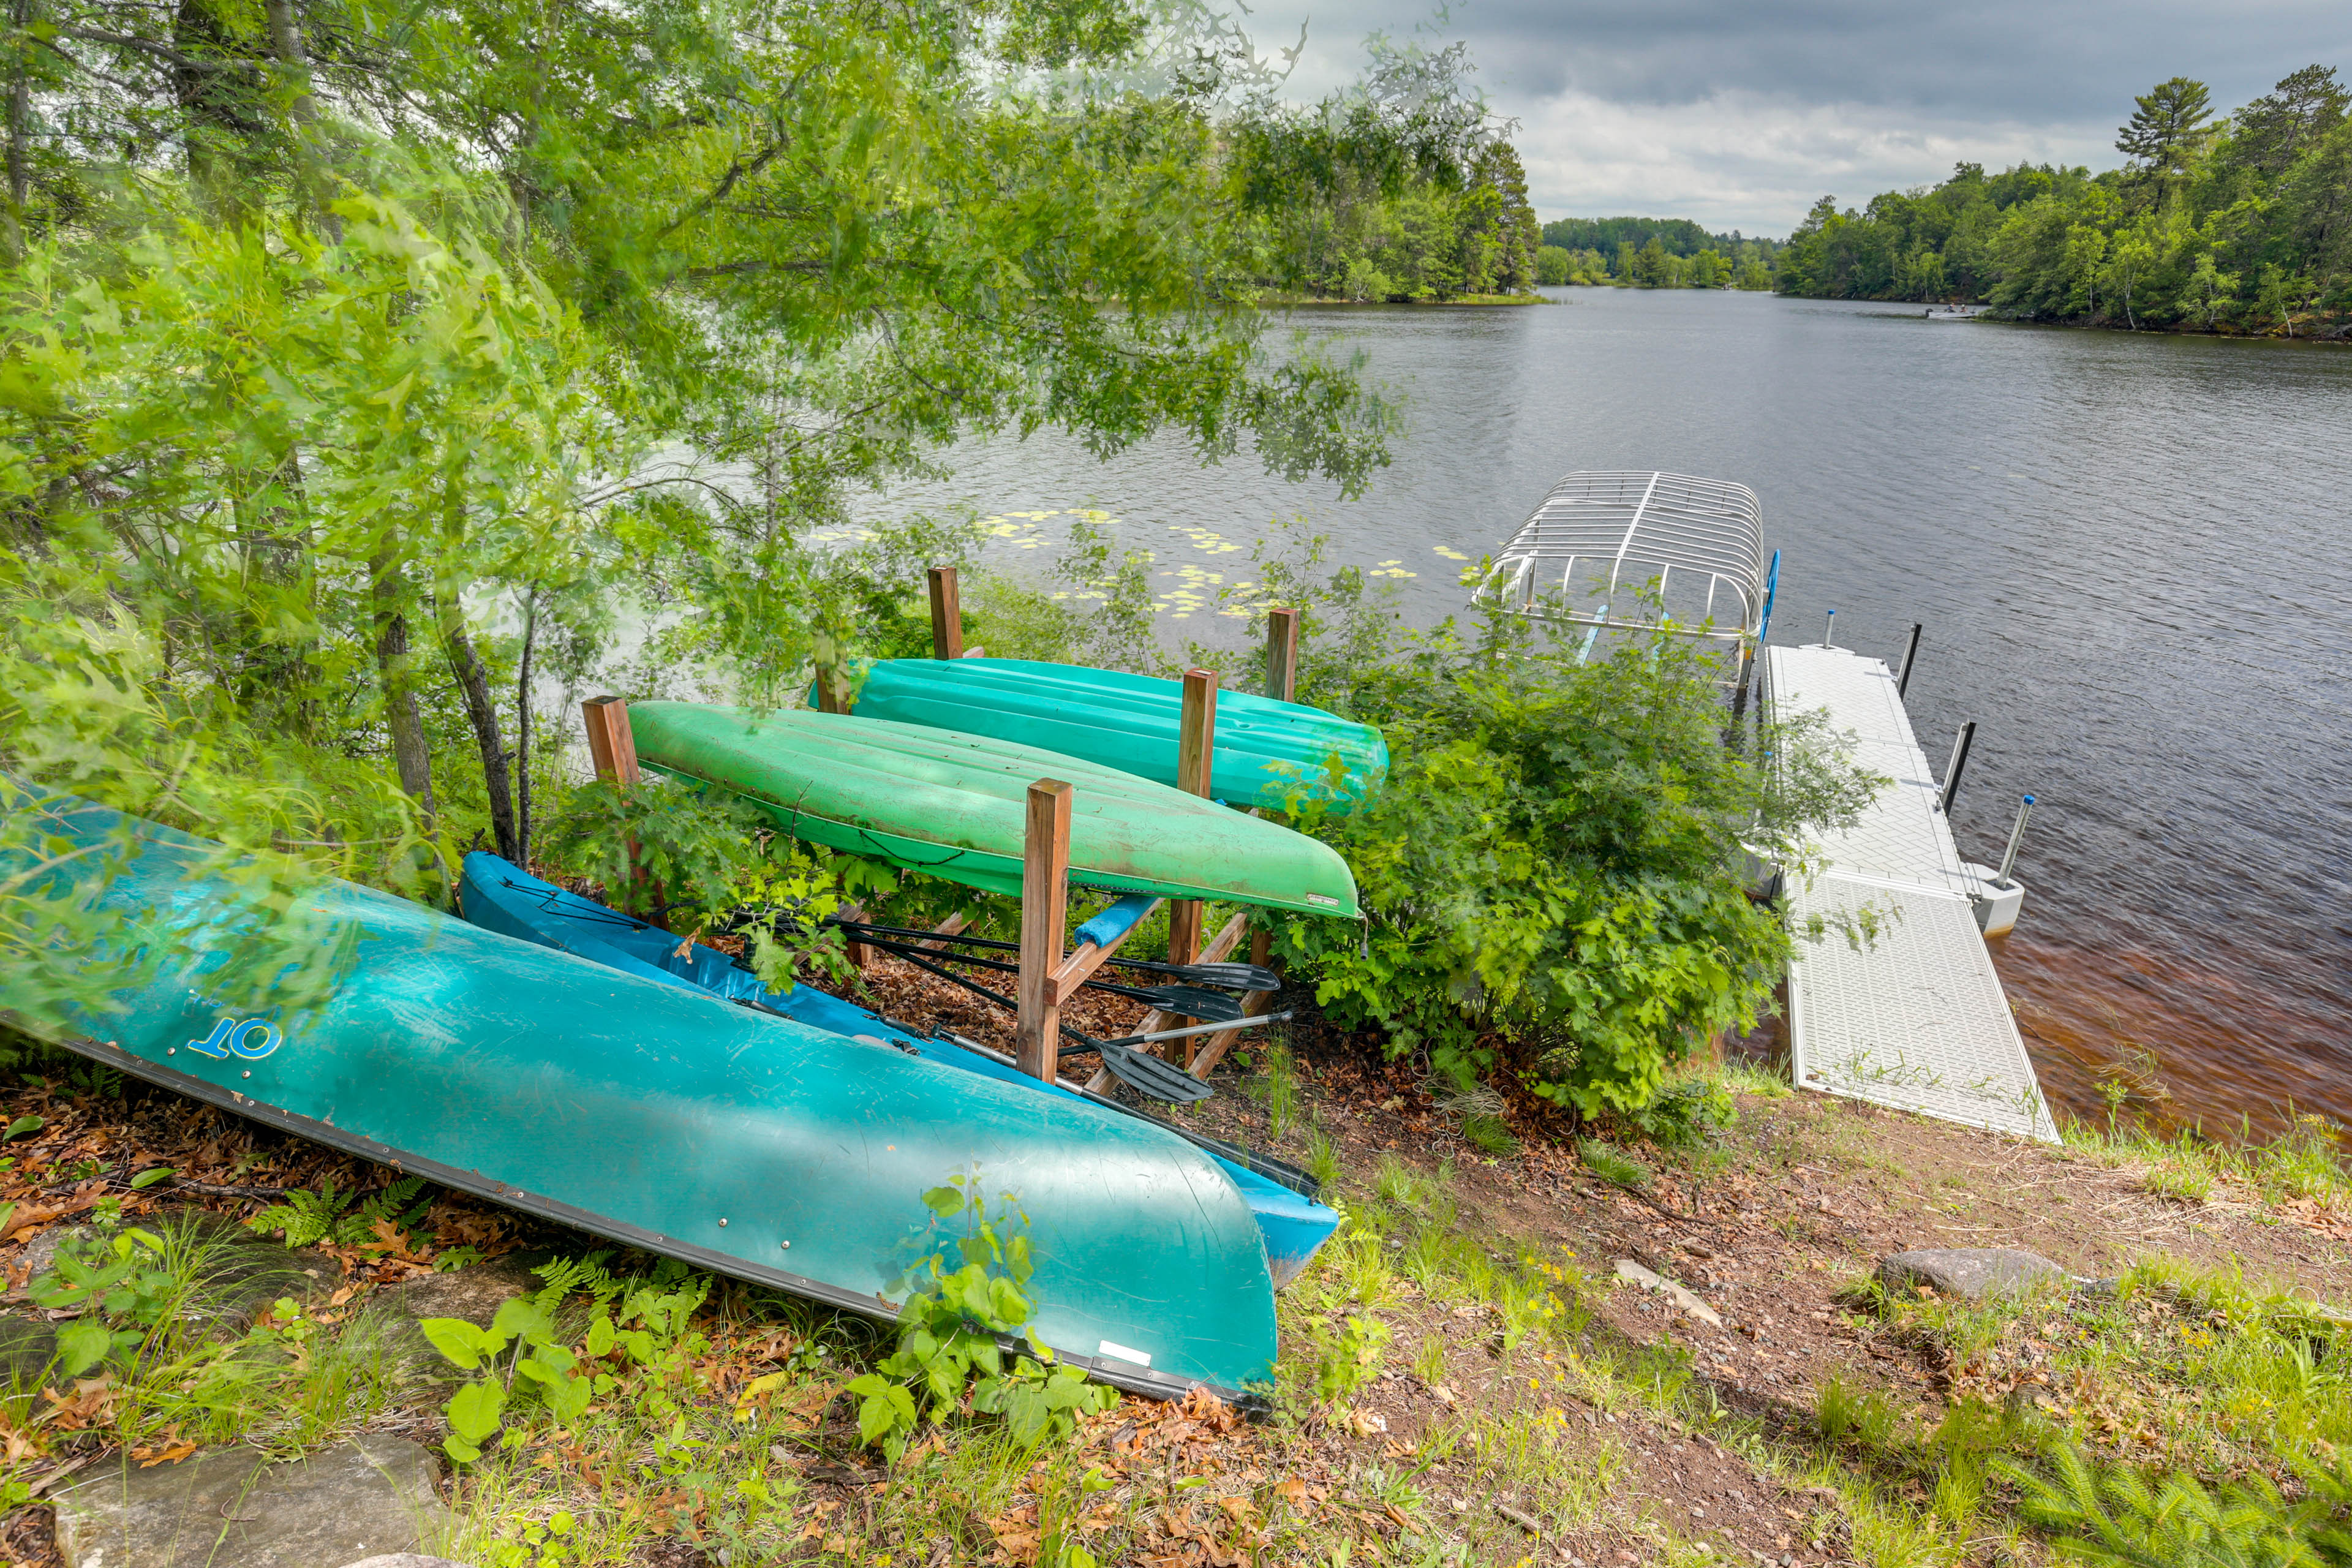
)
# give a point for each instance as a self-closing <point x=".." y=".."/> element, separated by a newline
<point x="1914" y="1018"/>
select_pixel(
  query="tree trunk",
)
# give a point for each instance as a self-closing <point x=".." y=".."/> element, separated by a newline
<point x="523" y="731"/>
<point x="475" y="683"/>
<point x="400" y="712"/>
<point x="20" y="108"/>
<point x="294" y="64"/>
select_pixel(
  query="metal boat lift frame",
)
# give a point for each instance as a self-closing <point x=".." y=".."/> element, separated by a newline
<point x="1632" y="541"/>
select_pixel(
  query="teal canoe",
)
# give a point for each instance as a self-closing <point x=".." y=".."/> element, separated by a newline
<point x="1266" y="753"/>
<point x="955" y="806"/>
<point x="500" y="897"/>
<point x="666" y="1118"/>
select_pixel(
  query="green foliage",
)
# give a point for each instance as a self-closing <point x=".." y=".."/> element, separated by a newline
<point x="639" y="1325"/>
<point x="118" y="1286"/>
<point x="1689" y="1115"/>
<point x="1438" y="237"/>
<point x="655" y="844"/>
<point x="1348" y="1356"/>
<point x="1276" y="1088"/>
<point x="346" y="395"/>
<point x="307" y="1218"/>
<point x="1843" y="1413"/>
<point x="950" y="1355"/>
<point x="1655" y="253"/>
<point x="2119" y="1516"/>
<point x="2219" y="227"/>
<point x="1612" y="1165"/>
<point x="1547" y="869"/>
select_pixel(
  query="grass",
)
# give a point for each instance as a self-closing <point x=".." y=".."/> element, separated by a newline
<point x="1277" y="1089"/>
<point x="1612" y="1165"/>
<point x="2306" y="1163"/>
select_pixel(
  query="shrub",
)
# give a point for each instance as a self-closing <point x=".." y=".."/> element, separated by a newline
<point x="1548" y="872"/>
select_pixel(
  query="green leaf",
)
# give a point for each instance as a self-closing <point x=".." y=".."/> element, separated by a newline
<point x="21" y="1126"/>
<point x="464" y="1344"/>
<point x="82" y="1344"/>
<point x="519" y="1317"/>
<point x="945" y="1202"/>
<point x="458" y="1449"/>
<point x="148" y="1178"/>
<point x="474" y="1410"/>
<point x="600" y="1335"/>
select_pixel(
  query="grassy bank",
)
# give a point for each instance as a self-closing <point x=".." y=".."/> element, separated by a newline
<point x="1465" y="1376"/>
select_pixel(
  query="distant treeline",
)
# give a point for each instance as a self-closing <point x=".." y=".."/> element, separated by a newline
<point x="2243" y="223"/>
<point x="1651" y="253"/>
<point x="1420" y="240"/>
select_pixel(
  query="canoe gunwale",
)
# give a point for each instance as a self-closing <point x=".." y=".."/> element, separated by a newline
<point x="1121" y="1375"/>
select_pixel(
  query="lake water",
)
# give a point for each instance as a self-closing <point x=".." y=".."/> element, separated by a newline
<point x="2133" y="556"/>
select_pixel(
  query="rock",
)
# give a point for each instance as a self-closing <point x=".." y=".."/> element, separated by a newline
<point x="231" y="1507"/>
<point x="240" y="1274"/>
<point x="1632" y="1272"/>
<point x="1970" y="1273"/>
<point x="27" y="1345"/>
<point x="474" y="1294"/>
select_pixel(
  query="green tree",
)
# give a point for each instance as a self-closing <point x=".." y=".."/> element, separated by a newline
<point x="355" y="361"/>
<point x="1554" y="266"/>
<point x="2165" y="126"/>
<point x="2280" y="126"/>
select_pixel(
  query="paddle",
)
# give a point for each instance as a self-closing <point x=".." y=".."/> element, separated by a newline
<point x="1139" y="1068"/>
<point x="1191" y="1001"/>
<point x="1232" y="976"/>
<point x="1154" y="1076"/>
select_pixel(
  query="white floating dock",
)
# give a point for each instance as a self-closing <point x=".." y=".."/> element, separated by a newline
<point x="1915" y="1018"/>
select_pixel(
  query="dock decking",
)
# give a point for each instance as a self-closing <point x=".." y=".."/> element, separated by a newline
<point x="1915" y="1019"/>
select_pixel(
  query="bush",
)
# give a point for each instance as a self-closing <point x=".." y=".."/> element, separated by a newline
<point x="1549" y="873"/>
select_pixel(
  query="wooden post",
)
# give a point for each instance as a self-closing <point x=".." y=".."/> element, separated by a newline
<point x="1196" y="749"/>
<point x="1044" y="913"/>
<point x="610" y="745"/>
<point x="1281" y="655"/>
<point x="857" y="952"/>
<point x="615" y="752"/>
<point x="947" y="615"/>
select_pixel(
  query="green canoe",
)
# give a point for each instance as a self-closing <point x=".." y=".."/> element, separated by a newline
<point x="955" y="806"/>
<point x="669" y="1119"/>
<point x="1267" y="753"/>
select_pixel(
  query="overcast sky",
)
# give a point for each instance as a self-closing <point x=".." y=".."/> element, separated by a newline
<point x="1740" y="114"/>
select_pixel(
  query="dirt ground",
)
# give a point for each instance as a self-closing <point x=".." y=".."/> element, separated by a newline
<point x="1793" y="1205"/>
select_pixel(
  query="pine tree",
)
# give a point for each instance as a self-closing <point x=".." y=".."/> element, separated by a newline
<point x="2164" y="127"/>
<point x="2276" y="128"/>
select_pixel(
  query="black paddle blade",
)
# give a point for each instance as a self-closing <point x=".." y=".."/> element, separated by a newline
<point x="1232" y="977"/>
<point x="1191" y="1002"/>
<point x="1154" y="1076"/>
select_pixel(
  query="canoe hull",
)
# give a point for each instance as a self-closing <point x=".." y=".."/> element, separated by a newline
<point x="676" y="1122"/>
<point x="500" y="898"/>
<point x="954" y="806"/>
<point x="1266" y="753"/>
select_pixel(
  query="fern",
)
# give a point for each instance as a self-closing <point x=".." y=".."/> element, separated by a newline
<point x="308" y="1218"/>
<point x="2123" y="1518"/>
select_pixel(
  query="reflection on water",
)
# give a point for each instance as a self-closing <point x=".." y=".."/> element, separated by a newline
<point x="2131" y="555"/>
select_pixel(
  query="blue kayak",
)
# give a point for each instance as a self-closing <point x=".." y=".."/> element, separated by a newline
<point x="498" y="897"/>
<point x="656" y="1113"/>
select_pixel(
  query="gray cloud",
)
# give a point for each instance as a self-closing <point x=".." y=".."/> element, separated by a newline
<point x="1739" y="115"/>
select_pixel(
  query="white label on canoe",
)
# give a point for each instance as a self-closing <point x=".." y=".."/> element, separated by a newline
<point x="1121" y="1353"/>
<point x="1323" y="899"/>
